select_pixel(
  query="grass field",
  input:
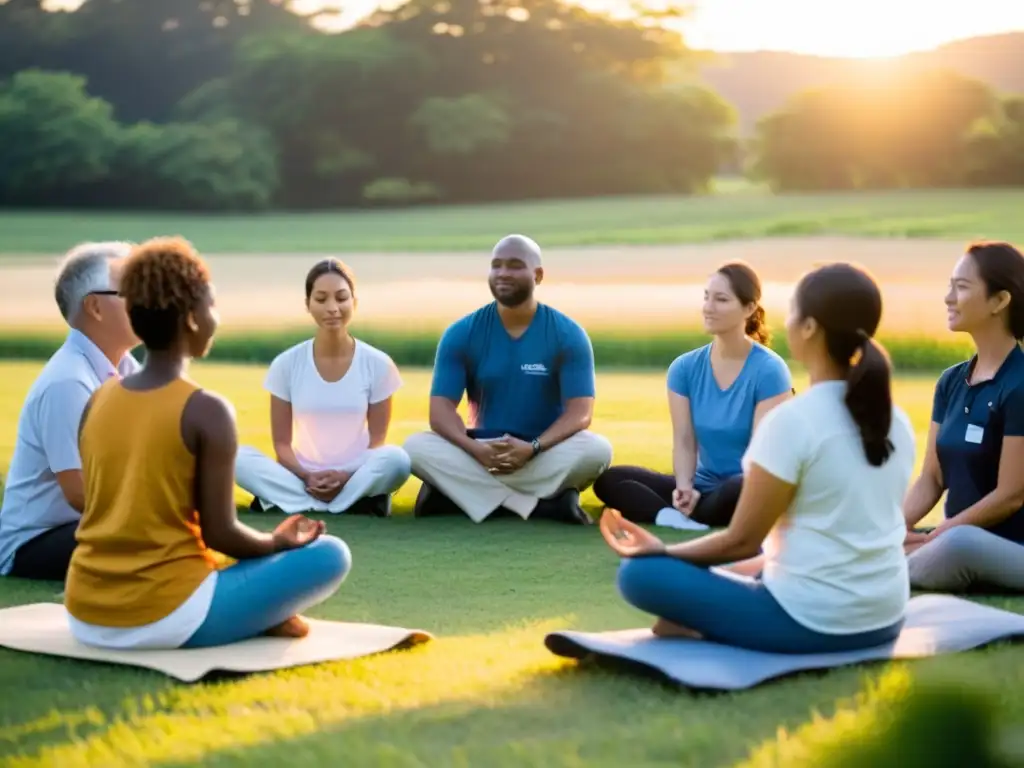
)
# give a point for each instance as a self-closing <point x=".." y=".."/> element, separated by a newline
<point x="486" y="692"/>
<point x="742" y="213"/>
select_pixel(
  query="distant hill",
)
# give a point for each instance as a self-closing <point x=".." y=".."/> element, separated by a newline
<point x="760" y="82"/>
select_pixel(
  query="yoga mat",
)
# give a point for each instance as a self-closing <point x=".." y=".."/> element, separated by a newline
<point x="936" y="624"/>
<point x="43" y="628"/>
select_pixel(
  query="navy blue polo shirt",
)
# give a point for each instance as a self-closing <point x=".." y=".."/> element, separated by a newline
<point x="973" y="420"/>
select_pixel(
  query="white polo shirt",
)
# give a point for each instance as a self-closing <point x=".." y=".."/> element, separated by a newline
<point x="47" y="442"/>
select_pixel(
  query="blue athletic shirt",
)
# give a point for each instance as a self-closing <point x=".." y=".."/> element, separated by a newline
<point x="973" y="420"/>
<point x="723" y="420"/>
<point x="515" y="386"/>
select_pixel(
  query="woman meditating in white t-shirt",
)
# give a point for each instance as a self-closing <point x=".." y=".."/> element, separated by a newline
<point x="824" y="479"/>
<point x="330" y="408"/>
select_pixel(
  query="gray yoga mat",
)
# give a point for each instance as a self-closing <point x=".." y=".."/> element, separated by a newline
<point x="936" y="624"/>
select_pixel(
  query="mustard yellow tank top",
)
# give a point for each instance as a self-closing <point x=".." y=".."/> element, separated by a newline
<point x="140" y="553"/>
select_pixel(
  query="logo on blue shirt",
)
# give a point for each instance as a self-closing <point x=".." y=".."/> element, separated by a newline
<point x="534" y="369"/>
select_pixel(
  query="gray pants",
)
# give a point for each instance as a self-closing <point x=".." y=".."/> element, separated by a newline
<point x="967" y="557"/>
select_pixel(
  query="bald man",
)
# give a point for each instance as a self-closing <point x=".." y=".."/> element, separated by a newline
<point x="528" y="373"/>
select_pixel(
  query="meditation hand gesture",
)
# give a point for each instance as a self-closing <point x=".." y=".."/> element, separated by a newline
<point x="297" y="531"/>
<point x="326" y="484"/>
<point x="628" y="539"/>
<point x="685" y="500"/>
<point x="512" y="454"/>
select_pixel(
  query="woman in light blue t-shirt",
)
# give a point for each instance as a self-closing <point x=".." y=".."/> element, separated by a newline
<point x="717" y="394"/>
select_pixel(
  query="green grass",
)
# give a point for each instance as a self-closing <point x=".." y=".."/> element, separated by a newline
<point x="486" y="692"/>
<point x="632" y="349"/>
<point x="742" y="213"/>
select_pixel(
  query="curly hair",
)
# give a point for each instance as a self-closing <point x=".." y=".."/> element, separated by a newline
<point x="164" y="279"/>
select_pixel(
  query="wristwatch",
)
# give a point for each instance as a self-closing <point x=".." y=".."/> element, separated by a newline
<point x="535" y="444"/>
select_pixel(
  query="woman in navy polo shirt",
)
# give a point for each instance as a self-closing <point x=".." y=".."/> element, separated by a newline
<point x="976" y="441"/>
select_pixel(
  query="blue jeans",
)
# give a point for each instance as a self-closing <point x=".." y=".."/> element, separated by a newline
<point x="729" y="609"/>
<point x="255" y="595"/>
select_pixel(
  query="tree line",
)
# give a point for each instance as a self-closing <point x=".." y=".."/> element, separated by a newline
<point x="245" y="105"/>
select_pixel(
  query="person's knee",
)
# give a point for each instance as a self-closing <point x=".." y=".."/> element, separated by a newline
<point x="420" y="447"/>
<point x="963" y="541"/>
<point x="956" y="547"/>
<point x="596" y="452"/>
<point x="636" y="578"/>
<point x="330" y="558"/>
<point x="941" y="563"/>
<point x="607" y="481"/>
<point x="394" y="461"/>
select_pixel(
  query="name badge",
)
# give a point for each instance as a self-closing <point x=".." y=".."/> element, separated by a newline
<point x="974" y="433"/>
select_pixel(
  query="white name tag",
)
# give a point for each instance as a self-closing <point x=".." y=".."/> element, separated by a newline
<point x="974" y="433"/>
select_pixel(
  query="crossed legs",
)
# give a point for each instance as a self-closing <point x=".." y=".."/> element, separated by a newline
<point x="573" y="464"/>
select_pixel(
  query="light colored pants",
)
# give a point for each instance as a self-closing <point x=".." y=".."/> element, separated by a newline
<point x="380" y="471"/>
<point x="967" y="557"/>
<point x="573" y="463"/>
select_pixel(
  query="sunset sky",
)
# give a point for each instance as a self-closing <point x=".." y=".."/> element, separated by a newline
<point x="825" y="27"/>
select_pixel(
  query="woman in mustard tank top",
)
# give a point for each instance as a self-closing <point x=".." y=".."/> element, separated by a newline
<point x="158" y="455"/>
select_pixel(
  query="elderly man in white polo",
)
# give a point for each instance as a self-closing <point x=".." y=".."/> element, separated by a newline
<point x="43" y="494"/>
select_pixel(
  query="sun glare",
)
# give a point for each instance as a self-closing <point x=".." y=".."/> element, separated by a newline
<point x="847" y="28"/>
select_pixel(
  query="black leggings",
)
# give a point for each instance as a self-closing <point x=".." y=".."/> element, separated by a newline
<point x="47" y="556"/>
<point x="639" y="494"/>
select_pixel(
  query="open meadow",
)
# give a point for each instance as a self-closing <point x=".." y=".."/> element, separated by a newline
<point x="486" y="692"/>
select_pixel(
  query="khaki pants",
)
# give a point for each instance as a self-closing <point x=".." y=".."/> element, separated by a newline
<point x="573" y="463"/>
<point x="377" y="472"/>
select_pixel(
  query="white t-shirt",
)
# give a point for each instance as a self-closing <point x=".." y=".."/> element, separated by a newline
<point x="329" y="429"/>
<point x="835" y="560"/>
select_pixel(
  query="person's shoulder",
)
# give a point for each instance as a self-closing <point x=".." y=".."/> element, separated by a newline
<point x="375" y="356"/>
<point x="766" y="356"/>
<point x="693" y="357"/>
<point x="954" y="373"/>
<point x="66" y="370"/>
<point x="211" y="409"/>
<point x="465" y="325"/>
<point x="1016" y="367"/>
<point x="292" y="358"/>
<point x="292" y="353"/>
<point x="798" y="415"/>
<point x="564" y="325"/>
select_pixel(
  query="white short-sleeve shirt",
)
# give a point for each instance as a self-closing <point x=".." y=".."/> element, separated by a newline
<point x="47" y="442"/>
<point x="329" y="428"/>
<point x="835" y="560"/>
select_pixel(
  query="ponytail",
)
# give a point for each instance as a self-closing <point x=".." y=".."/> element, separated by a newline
<point x="756" y="327"/>
<point x="869" y="397"/>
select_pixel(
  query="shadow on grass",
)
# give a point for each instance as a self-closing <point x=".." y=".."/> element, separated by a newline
<point x="486" y="692"/>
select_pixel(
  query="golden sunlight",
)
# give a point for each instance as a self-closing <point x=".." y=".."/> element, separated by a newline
<point x="847" y="28"/>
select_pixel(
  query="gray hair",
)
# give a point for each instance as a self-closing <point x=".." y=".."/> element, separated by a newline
<point x="85" y="269"/>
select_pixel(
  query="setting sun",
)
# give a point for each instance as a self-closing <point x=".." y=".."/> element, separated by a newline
<point x="866" y="28"/>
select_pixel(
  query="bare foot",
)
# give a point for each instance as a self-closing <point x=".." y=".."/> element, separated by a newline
<point x="296" y="626"/>
<point x="665" y="628"/>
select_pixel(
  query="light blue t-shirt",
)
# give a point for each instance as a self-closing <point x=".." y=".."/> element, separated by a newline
<point x="518" y="386"/>
<point x="723" y="420"/>
<point x="47" y="442"/>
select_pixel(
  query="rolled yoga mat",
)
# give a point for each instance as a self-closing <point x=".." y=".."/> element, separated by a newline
<point x="43" y="628"/>
<point x="935" y="625"/>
